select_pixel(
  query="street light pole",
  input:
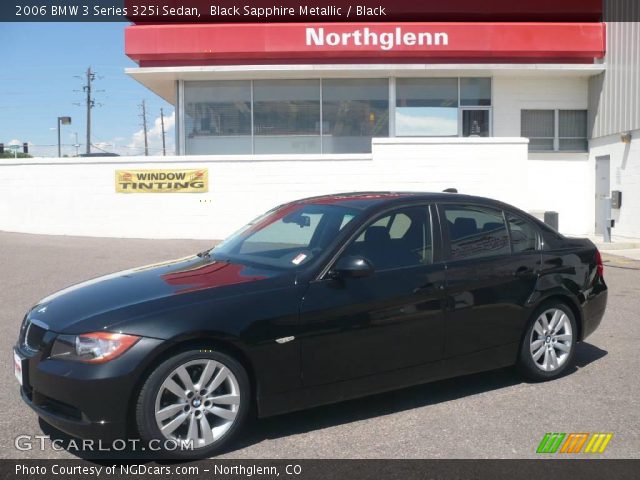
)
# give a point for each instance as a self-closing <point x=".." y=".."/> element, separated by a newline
<point x="59" y="146"/>
<point x="62" y="121"/>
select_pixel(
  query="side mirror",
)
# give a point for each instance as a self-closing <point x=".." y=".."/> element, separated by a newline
<point x="352" y="267"/>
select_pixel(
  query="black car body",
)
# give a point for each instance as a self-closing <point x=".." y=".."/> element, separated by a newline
<point x="320" y="332"/>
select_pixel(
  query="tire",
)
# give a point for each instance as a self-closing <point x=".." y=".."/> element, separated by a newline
<point x="176" y="403"/>
<point x="547" y="349"/>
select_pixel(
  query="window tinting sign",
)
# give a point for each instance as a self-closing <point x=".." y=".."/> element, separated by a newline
<point x="162" y="181"/>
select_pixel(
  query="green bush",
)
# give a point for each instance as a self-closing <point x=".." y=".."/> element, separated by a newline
<point x="9" y="154"/>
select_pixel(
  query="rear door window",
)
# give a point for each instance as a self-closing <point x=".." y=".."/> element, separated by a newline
<point x="475" y="232"/>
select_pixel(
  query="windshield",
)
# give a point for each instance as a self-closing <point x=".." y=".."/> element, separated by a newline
<point x="287" y="237"/>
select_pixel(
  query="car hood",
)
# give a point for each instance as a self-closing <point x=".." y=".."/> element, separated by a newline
<point x="139" y="290"/>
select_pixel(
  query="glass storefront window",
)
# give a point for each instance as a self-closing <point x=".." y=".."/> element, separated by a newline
<point x="286" y="116"/>
<point x="311" y="116"/>
<point x="354" y="111"/>
<point x="475" y="92"/>
<point x="217" y="117"/>
<point x="426" y="107"/>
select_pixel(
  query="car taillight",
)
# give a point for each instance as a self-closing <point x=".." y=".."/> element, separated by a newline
<point x="599" y="264"/>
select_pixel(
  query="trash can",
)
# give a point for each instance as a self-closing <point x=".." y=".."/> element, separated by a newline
<point x="551" y="219"/>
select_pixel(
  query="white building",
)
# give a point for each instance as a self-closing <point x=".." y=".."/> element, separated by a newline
<point x="543" y="115"/>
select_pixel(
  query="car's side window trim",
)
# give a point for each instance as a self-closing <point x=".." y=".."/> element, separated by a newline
<point x="438" y="240"/>
<point x="505" y="220"/>
<point x="436" y="246"/>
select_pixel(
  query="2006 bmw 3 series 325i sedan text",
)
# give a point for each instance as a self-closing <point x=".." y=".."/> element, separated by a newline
<point x="317" y="301"/>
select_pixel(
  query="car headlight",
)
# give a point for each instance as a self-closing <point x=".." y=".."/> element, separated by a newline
<point x="96" y="347"/>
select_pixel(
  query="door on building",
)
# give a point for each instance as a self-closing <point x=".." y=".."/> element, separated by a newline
<point x="603" y="190"/>
<point x="476" y="122"/>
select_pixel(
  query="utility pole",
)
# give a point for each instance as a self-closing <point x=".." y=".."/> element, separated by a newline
<point x="90" y="104"/>
<point x="164" y="146"/>
<point x="144" y="127"/>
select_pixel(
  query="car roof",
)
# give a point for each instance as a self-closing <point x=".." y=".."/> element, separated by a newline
<point x="366" y="200"/>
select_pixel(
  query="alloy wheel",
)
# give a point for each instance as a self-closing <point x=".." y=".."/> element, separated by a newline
<point x="198" y="402"/>
<point x="551" y="340"/>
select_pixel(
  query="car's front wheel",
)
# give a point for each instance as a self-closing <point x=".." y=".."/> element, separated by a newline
<point x="193" y="404"/>
<point x="549" y="343"/>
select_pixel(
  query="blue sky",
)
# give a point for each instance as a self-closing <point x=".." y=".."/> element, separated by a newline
<point x="37" y="83"/>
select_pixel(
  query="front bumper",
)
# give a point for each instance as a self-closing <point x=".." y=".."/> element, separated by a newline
<point x="85" y="400"/>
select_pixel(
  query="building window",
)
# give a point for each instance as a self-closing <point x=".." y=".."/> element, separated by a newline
<point x="572" y="130"/>
<point x="427" y="107"/>
<point x="286" y="116"/>
<point x="217" y="117"/>
<point x="354" y="111"/>
<point x="443" y="107"/>
<point x="475" y="122"/>
<point x="475" y="92"/>
<point x="311" y="116"/>
<point x="555" y="130"/>
<point x="539" y="127"/>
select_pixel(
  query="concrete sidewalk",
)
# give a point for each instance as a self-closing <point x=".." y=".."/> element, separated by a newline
<point x="619" y="246"/>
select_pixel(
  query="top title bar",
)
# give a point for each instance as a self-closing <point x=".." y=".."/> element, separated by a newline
<point x="285" y="11"/>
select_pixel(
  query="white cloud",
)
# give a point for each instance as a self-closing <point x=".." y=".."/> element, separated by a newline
<point x="134" y="146"/>
<point x="154" y="137"/>
<point x="121" y="145"/>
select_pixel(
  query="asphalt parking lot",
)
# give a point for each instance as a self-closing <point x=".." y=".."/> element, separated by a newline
<point x="489" y="415"/>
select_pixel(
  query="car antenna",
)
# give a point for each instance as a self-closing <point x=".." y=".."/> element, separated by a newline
<point x="450" y="190"/>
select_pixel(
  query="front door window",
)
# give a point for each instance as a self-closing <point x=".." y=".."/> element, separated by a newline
<point x="396" y="240"/>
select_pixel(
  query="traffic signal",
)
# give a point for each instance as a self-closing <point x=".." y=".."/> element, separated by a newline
<point x="1" y="148"/>
<point x="25" y="147"/>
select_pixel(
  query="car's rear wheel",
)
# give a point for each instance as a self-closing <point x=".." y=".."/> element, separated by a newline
<point x="193" y="404"/>
<point x="548" y="346"/>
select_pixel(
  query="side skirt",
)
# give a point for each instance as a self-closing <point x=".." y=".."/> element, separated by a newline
<point x="490" y="359"/>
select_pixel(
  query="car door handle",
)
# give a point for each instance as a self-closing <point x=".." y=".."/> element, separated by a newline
<point x="429" y="287"/>
<point x="524" y="272"/>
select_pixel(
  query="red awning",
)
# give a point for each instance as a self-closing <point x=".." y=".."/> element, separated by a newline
<point x="201" y="44"/>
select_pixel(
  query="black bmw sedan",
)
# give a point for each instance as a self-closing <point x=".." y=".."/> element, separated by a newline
<point x="317" y="301"/>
